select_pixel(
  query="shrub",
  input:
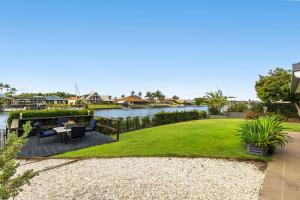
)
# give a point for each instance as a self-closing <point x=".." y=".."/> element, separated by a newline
<point x="238" y="107"/>
<point x="285" y="109"/>
<point x="202" y="114"/>
<point x="45" y="113"/>
<point x="253" y="115"/>
<point x="9" y="182"/>
<point x="173" y="117"/>
<point x="264" y="132"/>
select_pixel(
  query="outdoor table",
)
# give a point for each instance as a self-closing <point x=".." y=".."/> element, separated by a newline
<point x="61" y="131"/>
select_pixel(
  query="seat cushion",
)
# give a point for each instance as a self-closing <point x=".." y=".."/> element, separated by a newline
<point x="49" y="133"/>
<point x="89" y="129"/>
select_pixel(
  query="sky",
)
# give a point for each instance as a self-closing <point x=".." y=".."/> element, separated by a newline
<point x="181" y="47"/>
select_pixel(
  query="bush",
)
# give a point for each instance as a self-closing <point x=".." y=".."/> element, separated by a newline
<point x="253" y="115"/>
<point x="173" y="117"/>
<point x="45" y="113"/>
<point x="285" y="109"/>
<point x="265" y="132"/>
<point x="238" y="107"/>
<point x="213" y="111"/>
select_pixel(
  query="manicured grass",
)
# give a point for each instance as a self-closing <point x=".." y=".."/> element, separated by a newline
<point x="201" y="138"/>
<point x="104" y="106"/>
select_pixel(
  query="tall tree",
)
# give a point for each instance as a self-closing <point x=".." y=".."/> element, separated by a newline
<point x="275" y="86"/>
<point x="132" y="93"/>
<point x="140" y="94"/>
<point x="7" y="87"/>
<point x="215" y="101"/>
<point x="1" y="87"/>
<point x="175" y="97"/>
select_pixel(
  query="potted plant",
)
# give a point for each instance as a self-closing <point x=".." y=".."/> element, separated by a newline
<point x="263" y="135"/>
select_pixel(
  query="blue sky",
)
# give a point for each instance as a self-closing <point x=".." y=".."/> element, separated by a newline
<point x="180" y="47"/>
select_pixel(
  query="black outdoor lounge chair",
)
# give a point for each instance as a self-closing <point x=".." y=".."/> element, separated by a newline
<point x="92" y="125"/>
<point x="43" y="134"/>
<point x="61" y="121"/>
<point x="77" y="133"/>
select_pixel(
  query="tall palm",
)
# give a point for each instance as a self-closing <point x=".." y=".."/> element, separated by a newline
<point x="140" y="94"/>
<point x="1" y="87"/>
<point x="216" y="100"/>
<point x="13" y="91"/>
<point x="132" y="93"/>
<point x="149" y="95"/>
<point x="7" y="87"/>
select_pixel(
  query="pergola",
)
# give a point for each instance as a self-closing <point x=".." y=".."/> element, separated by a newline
<point x="295" y="86"/>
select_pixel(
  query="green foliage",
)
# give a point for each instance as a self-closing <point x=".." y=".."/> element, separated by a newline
<point x="215" y="101"/>
<point x="238" y="107"/>
<point x="45" y="113"/>
<point x="63" y="95"/>
<point x="264" y="132"/>
<point x="173" y="117"/>
<point x="275" y="86"/>
<point x="285" y="109"/>
<point x="9" y="182"/>
<point x="253" y="115"/>
<point x="201" y="101"/>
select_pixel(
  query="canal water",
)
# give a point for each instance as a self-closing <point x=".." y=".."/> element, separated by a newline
<point x="115" y="113"/>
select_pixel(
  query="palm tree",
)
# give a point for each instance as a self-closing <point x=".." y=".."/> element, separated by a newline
<point x="7" y="87"/>
<point x="215" y="101"/>
<point x="140" y="94"/>
<point x="159" y="95"/>
<point x="149" y="96"/>
<point x="132" y="93"/>
<point x="1" y="87"/>
<point x="175" y="97"/>
<point x="13" y="91"/>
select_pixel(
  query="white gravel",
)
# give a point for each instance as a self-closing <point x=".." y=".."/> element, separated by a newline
<point x="146" y="178"/>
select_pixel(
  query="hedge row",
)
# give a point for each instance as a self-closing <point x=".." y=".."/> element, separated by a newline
<point x="46" y="113"/>
<point x="286" y="109"/>
<point x="173" y="117"/>
<point x="136" y="123"/>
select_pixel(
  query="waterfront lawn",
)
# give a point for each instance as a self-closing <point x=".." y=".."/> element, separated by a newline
<point x="201" y="138"/>
<point x="103" y="106"/>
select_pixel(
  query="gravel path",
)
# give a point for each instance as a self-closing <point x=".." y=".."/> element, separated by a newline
<point x="146" y="178"/>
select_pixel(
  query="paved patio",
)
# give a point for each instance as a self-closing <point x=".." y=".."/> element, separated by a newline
<point x="282" y="180"/>
<point x="47" y="147"/>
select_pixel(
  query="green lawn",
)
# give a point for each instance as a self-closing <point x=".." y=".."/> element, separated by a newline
<point x="104" y="106"/>
<point x="201" y="138"/>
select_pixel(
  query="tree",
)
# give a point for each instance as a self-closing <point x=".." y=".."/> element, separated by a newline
<point x="175" y="97"/>
<point x="9" y="182"/>
<point x="275" y="86"/>
<point x="159" y="95"/>
<point x="140" y="94"/>
<point x="215" y="101"/>
<point x="123" y="95"/>
<point x="1" y="87"/>
<point x="201" y="101"/>
<point x="132" y="93"/>
<point x="7" y="87"/>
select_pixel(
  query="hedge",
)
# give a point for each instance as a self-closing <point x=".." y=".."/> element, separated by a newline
<point x="136" y="123"/>
<point x="286" y="109"/>
<point x="45" y="113"/>
<point x="173" y="117"/>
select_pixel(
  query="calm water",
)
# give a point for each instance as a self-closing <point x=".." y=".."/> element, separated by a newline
<point x="115" y="113"/>
<point x="3" y="117"/>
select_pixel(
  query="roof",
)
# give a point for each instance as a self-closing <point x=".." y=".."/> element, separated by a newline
<point x="87" y="96"/>
<point x="132" y="99"/>
<point x="54" y="98"/>
<point x="105" y="98"/>
<point x="72" y="98"/>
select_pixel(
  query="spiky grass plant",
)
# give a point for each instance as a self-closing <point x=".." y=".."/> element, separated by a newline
<point x="264" y="132"/>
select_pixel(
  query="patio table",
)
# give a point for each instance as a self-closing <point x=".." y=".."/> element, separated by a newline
<point x="61" y="131"/>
